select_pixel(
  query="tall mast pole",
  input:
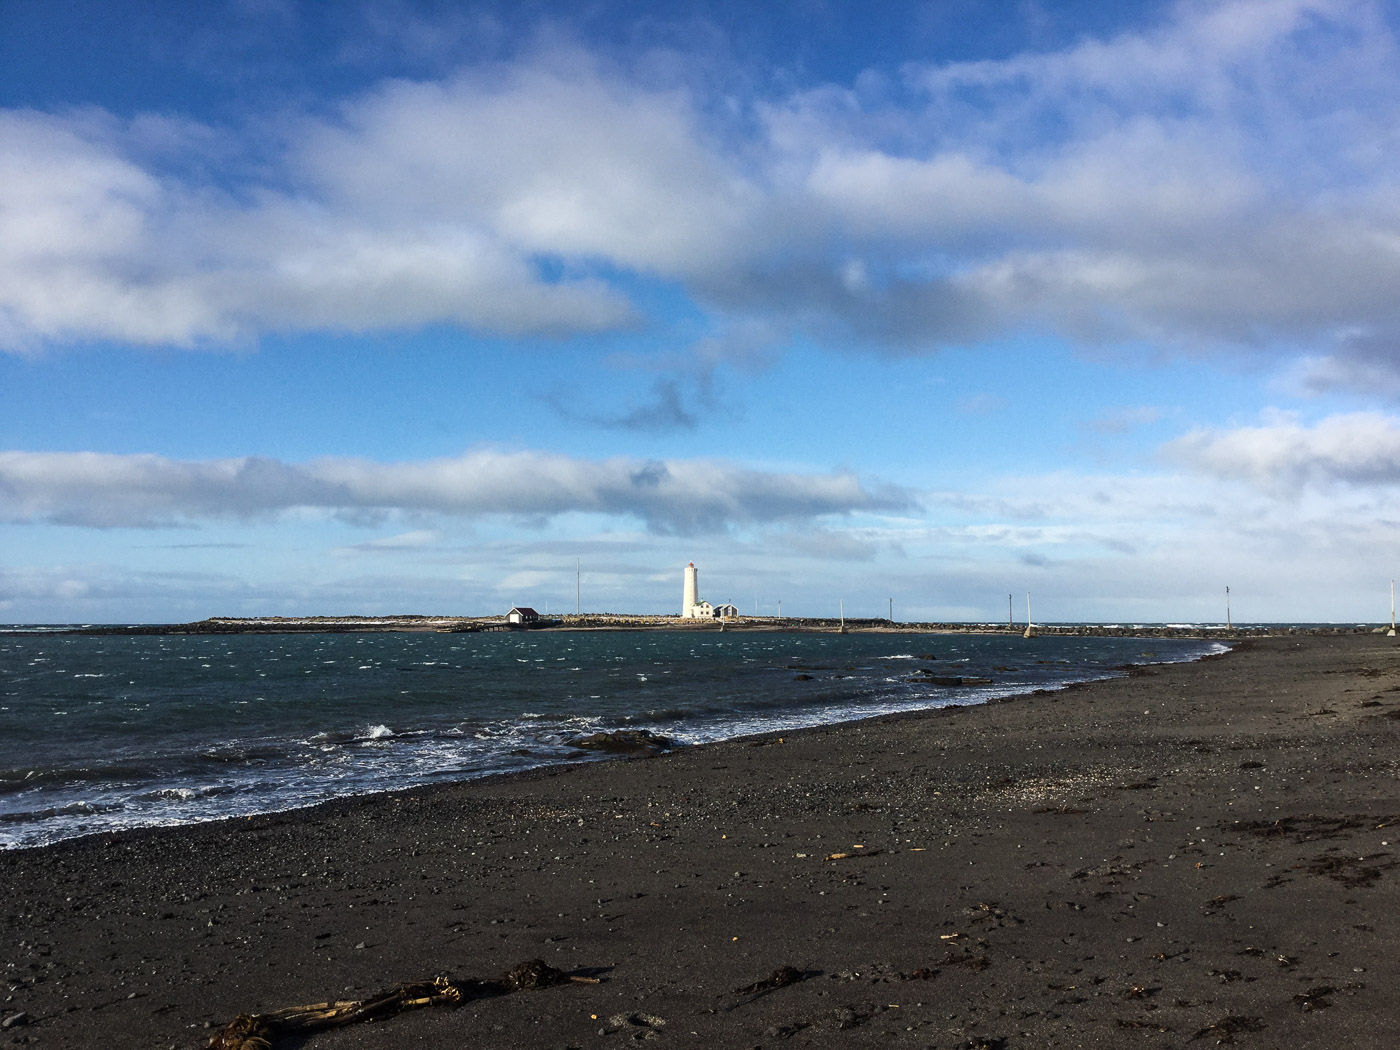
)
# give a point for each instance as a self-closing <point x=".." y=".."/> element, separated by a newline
<point x="1228" y="625"/>
<point x="1010" y="614"/>
<point x="578" y="586"/>
<point x="1392" y="608"/>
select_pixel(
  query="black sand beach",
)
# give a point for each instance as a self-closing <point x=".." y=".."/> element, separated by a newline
<point x="1193" y="855"/>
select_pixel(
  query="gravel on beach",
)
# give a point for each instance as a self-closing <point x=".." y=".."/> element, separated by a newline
<point x="1191" y="855"/>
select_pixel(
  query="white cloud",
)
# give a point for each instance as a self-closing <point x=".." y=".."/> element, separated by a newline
<point x="1202" y="183"/>
<point x="103" y="490"/>
<point x="1357" y="448"/>
<point x="78" y="233"/>
<point x="95" y="246"/>
<point x="1148" y="546"/>
<point x="1226" y="177"/>
<point x="552" y="156"/>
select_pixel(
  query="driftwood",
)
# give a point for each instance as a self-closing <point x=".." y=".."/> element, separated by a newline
<point x="852" y="856"/>
<point x="780" y="978"/>
<point x="258" y="1031"/>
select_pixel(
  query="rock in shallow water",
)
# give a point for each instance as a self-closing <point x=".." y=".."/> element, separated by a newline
<point x="625" y="742"/>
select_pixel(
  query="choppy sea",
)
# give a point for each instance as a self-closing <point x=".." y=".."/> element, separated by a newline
<point x="99" y="733"/>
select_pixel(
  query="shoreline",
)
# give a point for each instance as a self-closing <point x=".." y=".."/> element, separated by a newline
<point x="1191" y="850"/>
<point x="629" y="749"/>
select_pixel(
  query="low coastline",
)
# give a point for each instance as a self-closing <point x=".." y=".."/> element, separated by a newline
<point x="415" y="623"/>
<point x="1192" y="849"/>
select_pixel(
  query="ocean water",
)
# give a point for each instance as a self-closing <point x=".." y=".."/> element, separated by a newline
<point x="105" y="732"/>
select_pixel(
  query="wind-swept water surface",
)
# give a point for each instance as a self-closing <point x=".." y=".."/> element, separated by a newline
<point x="105" y="732"/>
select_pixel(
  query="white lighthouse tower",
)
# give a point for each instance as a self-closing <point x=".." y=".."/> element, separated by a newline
<point x="691" y="593"/>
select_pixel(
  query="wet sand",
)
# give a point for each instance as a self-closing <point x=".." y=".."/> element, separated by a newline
<point x="1190" y="856"/>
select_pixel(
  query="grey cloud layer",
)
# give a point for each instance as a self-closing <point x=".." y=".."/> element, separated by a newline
<point x="102" y="490"/>
<point x="1226" y="177"/>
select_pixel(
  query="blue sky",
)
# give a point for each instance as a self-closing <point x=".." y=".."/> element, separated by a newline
<point x="410" y="307"/>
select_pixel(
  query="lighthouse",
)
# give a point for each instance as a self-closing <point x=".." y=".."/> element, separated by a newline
<point x="691" y="591"/>
<point x="693" y="608"/>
